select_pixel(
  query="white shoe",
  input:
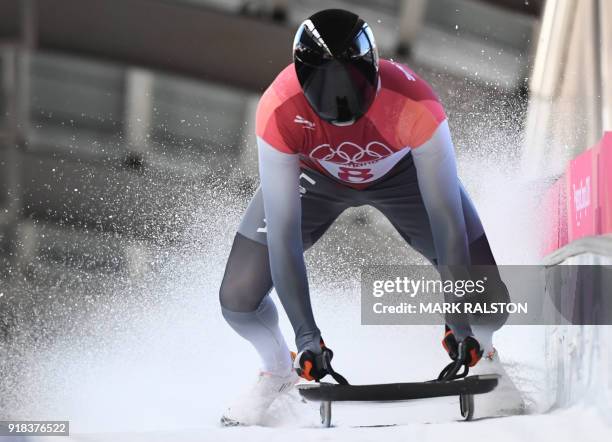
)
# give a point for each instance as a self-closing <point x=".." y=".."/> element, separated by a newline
<point x="506" y="399"/>
<point x="251" y="407"/>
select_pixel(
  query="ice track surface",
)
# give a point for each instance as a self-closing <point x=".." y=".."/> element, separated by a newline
<point x="171" y="380"/>
<point x="568" y="425"/>
<point x="158" y="363"/>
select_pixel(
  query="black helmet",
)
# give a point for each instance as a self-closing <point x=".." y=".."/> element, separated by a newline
<point x="336" y="62"/>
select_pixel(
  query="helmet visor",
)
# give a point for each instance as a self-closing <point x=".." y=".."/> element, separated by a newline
<point x="341" y="87"/>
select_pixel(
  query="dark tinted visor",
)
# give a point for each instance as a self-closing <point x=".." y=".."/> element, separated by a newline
<point x="339" y="87"/>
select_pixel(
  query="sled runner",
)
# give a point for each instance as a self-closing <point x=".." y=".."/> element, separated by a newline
<point x="449" y="383"/>
<point x="465" y="388"/>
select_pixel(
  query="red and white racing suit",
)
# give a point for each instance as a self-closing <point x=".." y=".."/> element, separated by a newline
<point x="398" y="157"/>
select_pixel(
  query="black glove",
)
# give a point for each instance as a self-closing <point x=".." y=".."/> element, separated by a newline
<point x="312" y="366"/>
<point x="315" y="366"/>
<point x="469" y="351"/>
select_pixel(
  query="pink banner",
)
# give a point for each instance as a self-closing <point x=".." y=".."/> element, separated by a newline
<point x="582" y="198"/>
<point x="605" y="183"/>
<point x="579" y="204"/>
<point x="554" y="220"/>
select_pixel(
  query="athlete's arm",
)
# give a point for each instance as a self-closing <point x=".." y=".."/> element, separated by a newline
<point x="279" y="175"/>
<point x="439" y="185"/>
<point x="437" y="177"/>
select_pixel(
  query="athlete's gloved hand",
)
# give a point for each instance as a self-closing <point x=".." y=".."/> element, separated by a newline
<point x="313" y="366"/>
<point x="469" y="351"/>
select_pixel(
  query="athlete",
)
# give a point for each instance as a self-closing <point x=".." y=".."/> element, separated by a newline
<point x="339" y="128"/>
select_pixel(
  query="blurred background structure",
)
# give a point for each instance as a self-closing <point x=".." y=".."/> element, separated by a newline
<point x="118" y="116"/>
<point x="571" y="83"/>
<point x="107" y="107"/>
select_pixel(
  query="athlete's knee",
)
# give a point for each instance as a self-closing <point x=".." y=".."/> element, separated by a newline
<point x="247" y="277"/>
<point x="480" y="252"/>
<point x="495" y="294"/>
<point x="228" y="295"/>
<point x="485" y="269"/>
<point x="236" y="294"/>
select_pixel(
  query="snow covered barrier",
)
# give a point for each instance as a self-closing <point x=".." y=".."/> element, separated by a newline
<point x="579" y="357"/>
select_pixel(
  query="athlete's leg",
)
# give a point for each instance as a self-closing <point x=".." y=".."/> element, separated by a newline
<point x="247" y="280"/>
<point x="484" y="267"/>
<point x="246" y="306"/>
<point x="398" y="198"/>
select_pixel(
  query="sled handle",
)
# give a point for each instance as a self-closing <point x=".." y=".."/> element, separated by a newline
<point x="451" y="371"/>
<point x="334" y="374"/>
